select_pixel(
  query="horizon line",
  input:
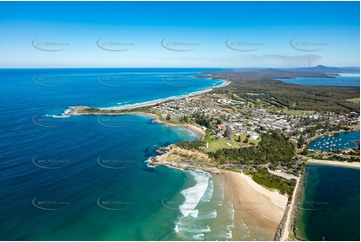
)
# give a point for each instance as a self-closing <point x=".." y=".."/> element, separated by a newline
<point x="162" y="67"/>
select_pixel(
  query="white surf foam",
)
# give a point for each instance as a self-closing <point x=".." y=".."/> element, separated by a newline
<point x="228" y="234"/>
<point x="148" y="161"/>
<point x="194" y="213"/>
<point x="192" y="229"/>
<point x="194" y="194"/>
<point x="176" y="228"/>
<point x="209" y="192"/>
<point x="153" y="102"/>
<point x="220" y="202"/>
<point x="198" y="236"/>
<point x="65" y="114"/>
<point x="211" y="214"/>
<point x="245" y="229"/>
<point x="231" y="214"/>
<point x="57" y="116"/>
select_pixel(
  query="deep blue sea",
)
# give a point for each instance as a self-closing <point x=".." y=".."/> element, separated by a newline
<point x="352" y="80"/>
<point x="339" y="141"/>
<point x="87" y="177"/>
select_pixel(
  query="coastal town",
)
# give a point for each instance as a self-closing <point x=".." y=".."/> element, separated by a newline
<point x="229" y="119"/>
<point x="226" y="120"/>
<point x="230" y="123"/>
<point x="241" y="134"/>
<point x="180" y="120"/>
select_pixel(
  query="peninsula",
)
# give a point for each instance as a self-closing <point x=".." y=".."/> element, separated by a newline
<point x="254" y="131"/>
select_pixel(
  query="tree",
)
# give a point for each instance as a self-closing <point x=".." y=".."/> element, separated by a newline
<point x="301" y="141"/>
<point x="304" y="152"/>
<point x="184" y="119"/>
<point x="226" y="133"/>
<point x="168" y="117"/>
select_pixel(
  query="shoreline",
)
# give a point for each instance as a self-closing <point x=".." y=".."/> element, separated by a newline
<point x="335" y="163"/>
<point x="313" y="138"/>
<point x="159" y="101"/>
<point x="286" y="228"/>
<point x="258" y="207"/>
<point x="289" y="228"/>
<point x="179" y="163"/>
<point x="261" y="209"/>
<point x="198" y="131"/>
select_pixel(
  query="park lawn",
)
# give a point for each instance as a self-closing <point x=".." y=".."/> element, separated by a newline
<point x="215" y="143"/>
<point x="297" y="112"/>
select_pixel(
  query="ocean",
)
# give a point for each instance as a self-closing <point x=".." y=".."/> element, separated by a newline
<point x="344" y="79"/>
<point x="329" y="208"/>
<point x="88" y="177"/>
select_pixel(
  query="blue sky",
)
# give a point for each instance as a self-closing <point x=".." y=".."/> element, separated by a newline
<point x="179" y="34"/>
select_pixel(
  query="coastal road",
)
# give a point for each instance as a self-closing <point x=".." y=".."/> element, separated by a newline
<point x="285" y="231"/>
<point x="282" y="174"/>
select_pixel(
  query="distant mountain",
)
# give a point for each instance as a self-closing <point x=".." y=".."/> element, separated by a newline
<point x="274" y="73"/>
<point x="315" y="69"/>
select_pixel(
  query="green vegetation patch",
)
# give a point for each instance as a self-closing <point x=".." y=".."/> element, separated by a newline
<point x="216" y="143"/>
<point x="283" y="95"/>
<point x="272" y="148"/>
<point x="196" y="145"/>
<point x="264" y="178"/>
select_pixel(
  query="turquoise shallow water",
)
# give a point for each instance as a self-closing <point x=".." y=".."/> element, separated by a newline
<point x="330" y="204"/>
<point x="86" y="182"/>
<point x="87" y="177"/>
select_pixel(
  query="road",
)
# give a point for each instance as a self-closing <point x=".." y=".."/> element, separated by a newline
<point x="286" y="229"/>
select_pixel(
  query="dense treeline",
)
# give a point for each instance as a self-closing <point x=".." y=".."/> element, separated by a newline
<point x="292" y="96"/>
<point x="202" y="120"/>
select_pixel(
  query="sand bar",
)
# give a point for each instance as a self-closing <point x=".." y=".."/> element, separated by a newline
<point x="155" y="102"/>
<point x="335" y="163"/>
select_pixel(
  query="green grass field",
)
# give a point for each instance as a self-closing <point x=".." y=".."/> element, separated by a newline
<point x="297" y="112"/>
<point x="215" y="143"/>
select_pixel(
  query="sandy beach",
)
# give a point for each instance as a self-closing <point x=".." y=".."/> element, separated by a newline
<point x="259" y="208"/>
<point x="256" y="207"/>
<point x="198" y="131"/>
<point x="335" y="163"/>
<point x="155" y="102"/>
